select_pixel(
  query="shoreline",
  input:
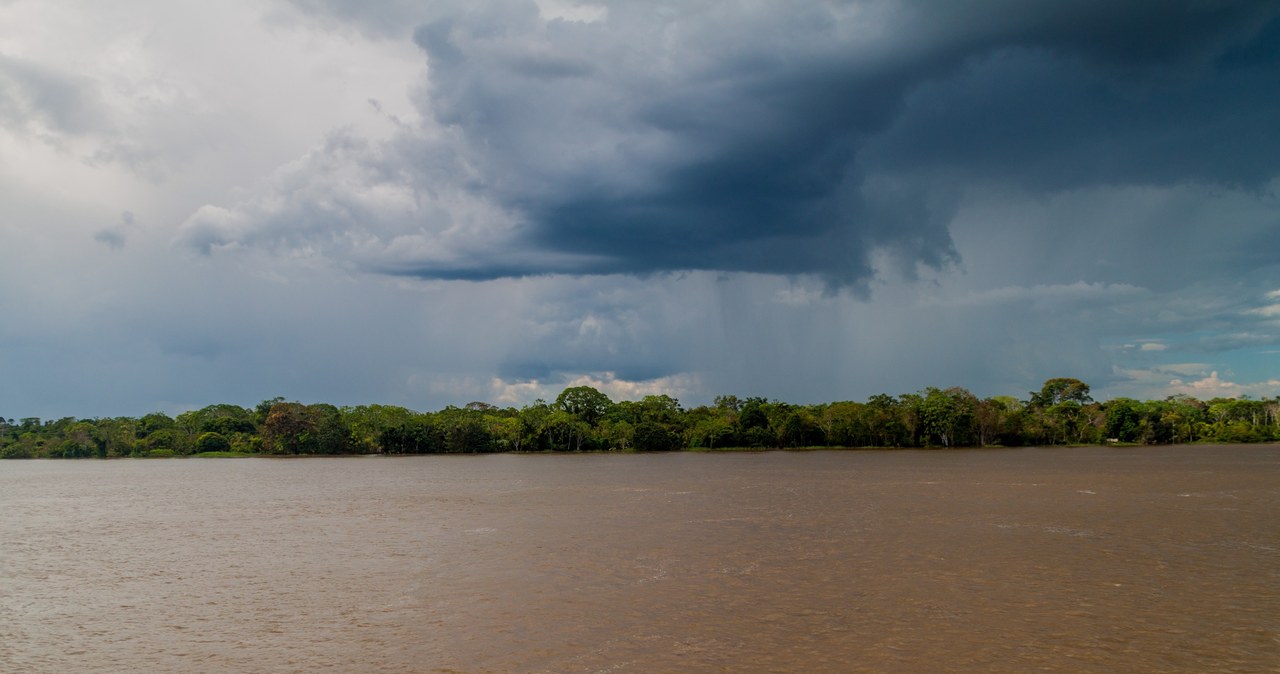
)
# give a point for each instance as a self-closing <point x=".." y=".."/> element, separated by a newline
<point x="689" y="450"/>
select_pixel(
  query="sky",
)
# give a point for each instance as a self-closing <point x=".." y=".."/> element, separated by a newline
<point x="431" y="203"/>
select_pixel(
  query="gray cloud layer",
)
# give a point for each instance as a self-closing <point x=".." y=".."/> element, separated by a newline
<point x="1026" y="189"/>
<point x="797" y="138"/>
<point x="39" y="100"/>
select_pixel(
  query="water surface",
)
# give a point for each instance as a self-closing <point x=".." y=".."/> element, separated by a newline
<point x="1061" y="560"/>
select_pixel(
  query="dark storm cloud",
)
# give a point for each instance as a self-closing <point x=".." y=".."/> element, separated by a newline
<point x="1034" y="120"/>
<point x="644" y="144"/>
<point x="796" y="138"/>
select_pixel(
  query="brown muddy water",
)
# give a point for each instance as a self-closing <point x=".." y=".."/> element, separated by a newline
<point x="1052" y="560"/>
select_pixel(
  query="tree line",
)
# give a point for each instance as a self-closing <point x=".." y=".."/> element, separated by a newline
<point x="582" y="418"/>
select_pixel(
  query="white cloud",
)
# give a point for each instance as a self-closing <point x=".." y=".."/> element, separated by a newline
<point x="519" y="393"/>
<point x="1192" y="379"/>
<point x="1213" y="386"/>
<point x="1206" y="387"/>
<point x="572" y="11"/>
<point x="197" y="96"/>
<point x="1269" y="311"/>
<point x="1077" y="292"/>
<point x="798" y="295"/>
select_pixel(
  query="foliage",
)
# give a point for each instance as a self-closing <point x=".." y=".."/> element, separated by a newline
<point x="584" y="419"/>
<point x="651" y="436"/>
<point x="212" y="442"/>
<point x="294" y="428"/>
<point x="584" y="402"/>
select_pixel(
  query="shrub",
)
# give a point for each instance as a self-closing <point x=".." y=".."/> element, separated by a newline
<point x="212" y="442"/>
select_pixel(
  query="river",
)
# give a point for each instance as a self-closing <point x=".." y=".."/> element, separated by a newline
<point x="1162" y="559"/>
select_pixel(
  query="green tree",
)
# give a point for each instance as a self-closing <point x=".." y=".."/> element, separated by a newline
<point x="212" y="442"/>
<point x="75" y="440"/>
<point x="533" y="424"/>
<point x="167" y="440"/>
<point x="294" y="428"/>
<point x="728" y="402"/>
<point x="844" y="424"/>
<point x="911" y="412"/>
<point x="651" y="436"/>
<point x="225" y="419"/>
<point x="118" y="436"/>
<point x="565" y="432"/>
<point x="884" y="418"/>
<point x="332" y="436"/>
<point x="29" y="445"/>
<point x="710" y="430"/>
<point x="584" y="402"/>
<point x="416" y="434"/>
<point x="367" y="423"/>
<point x="464" y="430"/>
<point x="153" y="422"/>
<point x="618" y="435"/>
<point x="189" y="423"/>
<point x="1124" y="419"/>
<point x="17" y="450"/>
<point x="506" y="431"/>
<point x="947" y="416"/>
<point x="753" y="414"/>
<point x="799" y="428"/>
<point x="263" y="410"/>
<point x="662" y="409"/>
<point x="1060" y="390"/>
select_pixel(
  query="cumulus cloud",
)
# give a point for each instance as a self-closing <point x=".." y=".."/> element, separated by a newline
<point x="1197" y="380"/>
<point x="1213" y="386"/>
<point x="521" y="392"/>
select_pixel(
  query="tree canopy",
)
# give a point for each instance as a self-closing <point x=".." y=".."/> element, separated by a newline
<point x="585" y="419"/>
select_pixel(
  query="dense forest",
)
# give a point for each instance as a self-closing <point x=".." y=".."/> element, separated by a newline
<point x="584" y="419"/>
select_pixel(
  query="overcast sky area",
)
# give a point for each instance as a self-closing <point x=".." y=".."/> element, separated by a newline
<point x="431" y="203"/>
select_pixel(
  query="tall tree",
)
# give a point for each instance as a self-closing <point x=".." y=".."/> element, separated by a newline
<point x="1060" y="390"/>
<point x="584" y="402"/>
